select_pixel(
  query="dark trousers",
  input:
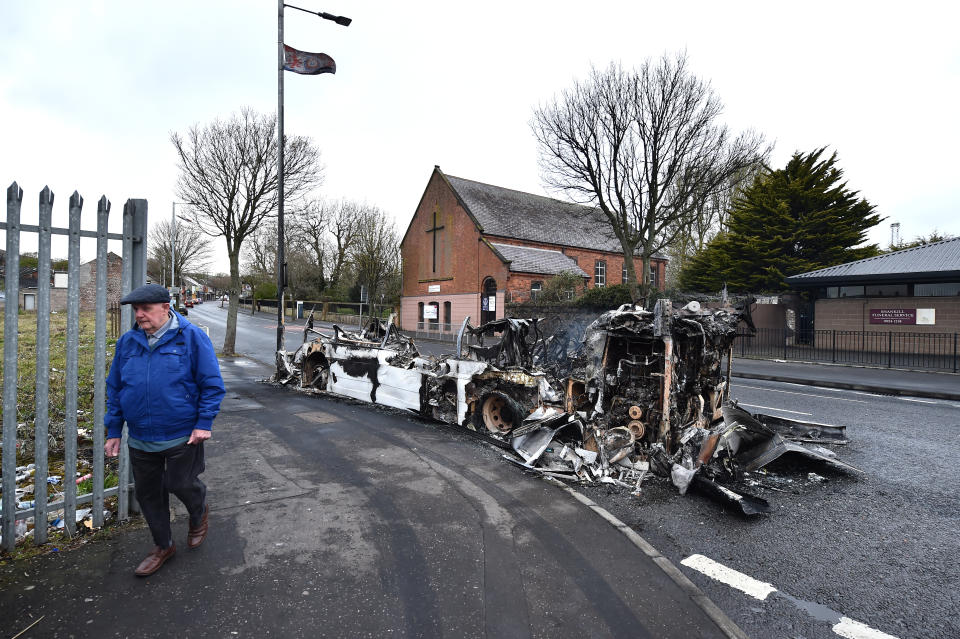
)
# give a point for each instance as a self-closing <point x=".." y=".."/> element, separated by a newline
<point x="156" y="475"/>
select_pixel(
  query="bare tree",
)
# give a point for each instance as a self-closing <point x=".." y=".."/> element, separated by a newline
<point x="304" y="279"/>
<point x="191" y="249"/>
<point x="220" y="282"/>
<point x="260" y="251"/>
<point x="644" y="147"/>
<point x="309" y="233"/>
<point x="229" y="176"/>
<point x="375" y="256"/>
<point x="344" y="226"/>
<point x="708" y="217"/>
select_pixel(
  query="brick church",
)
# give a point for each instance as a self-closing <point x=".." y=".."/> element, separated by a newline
<point x="470" y="247"/>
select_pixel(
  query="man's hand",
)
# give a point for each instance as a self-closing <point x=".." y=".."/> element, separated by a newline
<point x="111" y="448"/>
<point x="198" y="435"/>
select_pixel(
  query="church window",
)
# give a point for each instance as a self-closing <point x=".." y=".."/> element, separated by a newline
<point x="535" y="289"/>
<point x="600" y="273"/>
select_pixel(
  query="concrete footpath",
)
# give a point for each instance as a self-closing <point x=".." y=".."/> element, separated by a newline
<point x="332" y="518"/>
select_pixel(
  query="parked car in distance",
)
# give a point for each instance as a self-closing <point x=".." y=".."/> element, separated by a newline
<point x="188" y="303"/>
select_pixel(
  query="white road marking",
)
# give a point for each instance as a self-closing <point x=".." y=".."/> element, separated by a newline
<point x="865" y="393"/>
<point x="782" y="410"/>
<point x="846" y="627"/>
<point x="920" y="401"/>
<point x="773" y="390"/>
<point x="734" y="579"/>
<point x="855" y="630"/>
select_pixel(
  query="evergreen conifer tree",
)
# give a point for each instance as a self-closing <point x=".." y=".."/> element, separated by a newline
<point x="788" y="221"/>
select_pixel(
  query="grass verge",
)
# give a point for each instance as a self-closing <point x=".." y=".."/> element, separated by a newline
<point x="27" y="370"/>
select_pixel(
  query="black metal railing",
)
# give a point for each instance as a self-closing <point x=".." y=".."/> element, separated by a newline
<point x="934" y="351"/>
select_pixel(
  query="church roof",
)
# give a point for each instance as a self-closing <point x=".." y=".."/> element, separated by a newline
<point x="524" y="216"/>
<point x="939" y="261"/>
<point x="525" y="259"/>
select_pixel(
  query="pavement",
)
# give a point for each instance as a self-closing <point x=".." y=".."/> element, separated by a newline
<point x="884" y="381"/>
<point x="337" y="518"/>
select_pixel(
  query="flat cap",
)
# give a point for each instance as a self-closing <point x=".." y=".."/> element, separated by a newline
<point x="147" y="294"/>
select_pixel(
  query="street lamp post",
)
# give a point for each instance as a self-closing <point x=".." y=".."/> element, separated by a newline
<point x="173" y="247"/>
<point x="173" y="242"/>
<point x="281" y="281"/>
<point x="281" y="58"/>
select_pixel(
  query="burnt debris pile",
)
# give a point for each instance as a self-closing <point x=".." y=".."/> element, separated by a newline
<point x="635" y="393"/>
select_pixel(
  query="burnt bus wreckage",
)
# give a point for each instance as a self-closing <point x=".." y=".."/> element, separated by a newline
<point x="639" y="392"/>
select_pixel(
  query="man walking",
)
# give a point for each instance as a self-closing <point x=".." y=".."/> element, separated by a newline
<point x="165" y="383"/>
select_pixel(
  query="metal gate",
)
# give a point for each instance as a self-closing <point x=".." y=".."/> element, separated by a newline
<point x="134" y="237"/>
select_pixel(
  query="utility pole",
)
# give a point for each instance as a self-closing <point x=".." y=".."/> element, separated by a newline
<point x="173" y="242"/>
<point x="281" y="274"/>
<point x="281" y="147"/>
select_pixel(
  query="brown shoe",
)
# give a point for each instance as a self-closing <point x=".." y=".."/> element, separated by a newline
<point x="195" y="536"/>
<point x="154" y="560"/>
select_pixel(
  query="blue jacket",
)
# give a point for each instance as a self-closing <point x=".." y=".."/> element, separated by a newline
<point x="165" y="393"/>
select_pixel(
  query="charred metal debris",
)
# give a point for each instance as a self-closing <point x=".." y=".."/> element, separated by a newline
<point x="636" y="393"/>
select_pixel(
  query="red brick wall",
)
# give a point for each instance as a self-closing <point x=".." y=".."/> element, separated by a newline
<point x="462" y="260"/>
<point x="519" y="285"/>
<point x="587" y="261"/>
<point x="853" y="314"/>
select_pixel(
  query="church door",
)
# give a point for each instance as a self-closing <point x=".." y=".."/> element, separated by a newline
<point x="488" y="301"/>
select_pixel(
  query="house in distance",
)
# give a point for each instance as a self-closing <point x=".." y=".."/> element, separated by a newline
<point x="471" y="246"/>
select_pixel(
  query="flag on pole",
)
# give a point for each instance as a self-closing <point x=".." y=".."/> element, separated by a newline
<point x="306" y="63"/>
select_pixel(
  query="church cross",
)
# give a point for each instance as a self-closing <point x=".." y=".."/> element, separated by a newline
<point x="434" y="230"/>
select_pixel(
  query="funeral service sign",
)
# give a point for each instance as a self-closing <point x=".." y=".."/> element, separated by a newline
<point x="902" y="316"/>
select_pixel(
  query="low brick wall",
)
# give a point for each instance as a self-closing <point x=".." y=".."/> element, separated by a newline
<point x="853" y="314"/>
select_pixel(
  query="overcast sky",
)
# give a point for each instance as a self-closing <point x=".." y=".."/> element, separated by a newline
<point x="91" y="90"/>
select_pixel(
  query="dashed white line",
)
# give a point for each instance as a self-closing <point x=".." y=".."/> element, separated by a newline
<point x="855" y="630"/>
<point x="773" y="390"/>
<point x="782" y="410"/>
<point x="733" y="578"/>
<point x="845" y="627"/>
<point x="919" y="401"/>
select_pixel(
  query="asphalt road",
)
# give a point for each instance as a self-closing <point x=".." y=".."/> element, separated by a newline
<point x="256" y="335"/>
<point x="339" y="519"/>
<point x="878" y="550"/>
